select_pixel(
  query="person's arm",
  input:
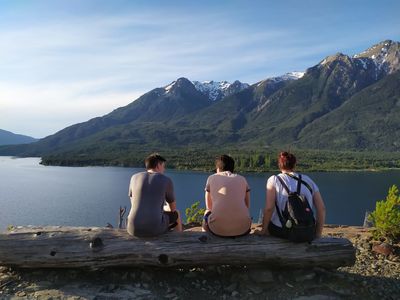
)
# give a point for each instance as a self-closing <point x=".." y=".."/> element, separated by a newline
<point x="269" y="209"/>
<point x="208" y="201"/>
<point x="321" y="211"/>
<point x="247" y="199"/>
<point x="207" y="195"/>
<point x="172" y="206"/>
<point x="130" y="187"/>
<point x="247" y="196"/>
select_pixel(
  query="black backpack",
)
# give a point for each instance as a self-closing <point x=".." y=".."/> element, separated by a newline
<point x="297" y="219"/>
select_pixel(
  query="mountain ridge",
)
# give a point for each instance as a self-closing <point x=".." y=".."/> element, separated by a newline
<point x="10" y="138"/>
<point x="282" y="111"/>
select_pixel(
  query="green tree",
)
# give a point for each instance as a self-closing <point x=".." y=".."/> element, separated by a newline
<point x="267" y="162"/>
<point x="195" y="213"/>
<point x="386" y="216"/>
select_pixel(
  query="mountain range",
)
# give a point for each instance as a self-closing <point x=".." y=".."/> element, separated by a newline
<point x="9" y="138"/>
<point x="342" y="103"/>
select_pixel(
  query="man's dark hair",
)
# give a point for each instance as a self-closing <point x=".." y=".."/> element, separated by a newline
<point x="225" y="163"/>
<point x="152" y="161"/>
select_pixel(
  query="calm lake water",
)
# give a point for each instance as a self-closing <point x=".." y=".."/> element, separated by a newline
<point x="32" y="194"/>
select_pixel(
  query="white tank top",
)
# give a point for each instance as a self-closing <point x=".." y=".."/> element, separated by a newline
<point x="282" y="196"/>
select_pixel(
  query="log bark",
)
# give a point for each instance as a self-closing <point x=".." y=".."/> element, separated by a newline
<point x="84" y="247"/>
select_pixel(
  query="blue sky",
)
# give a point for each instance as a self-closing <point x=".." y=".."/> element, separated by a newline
<point x="64" y="62"/>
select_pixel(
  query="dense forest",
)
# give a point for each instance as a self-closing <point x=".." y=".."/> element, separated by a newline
<point x="249" y="160"/>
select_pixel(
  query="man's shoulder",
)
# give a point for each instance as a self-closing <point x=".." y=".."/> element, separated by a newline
<point x="139" y="174"/>
<point x="163" y="177"/>
<point x="238" y="178"/>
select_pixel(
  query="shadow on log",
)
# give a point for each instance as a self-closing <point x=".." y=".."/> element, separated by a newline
<point x="85" y="247"/>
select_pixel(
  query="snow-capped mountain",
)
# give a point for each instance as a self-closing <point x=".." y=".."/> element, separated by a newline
<point x="385" y="55"/>
<point x="288" y="76"/>
<point x="381" y="59"/>
<point x="216" y="90"/>
<point x="285" y="77"/>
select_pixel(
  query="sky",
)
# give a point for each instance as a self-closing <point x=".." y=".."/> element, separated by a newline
<point x="64" y="62"/>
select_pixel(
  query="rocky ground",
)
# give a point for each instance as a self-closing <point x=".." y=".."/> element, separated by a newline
<point x="375" y="275"/>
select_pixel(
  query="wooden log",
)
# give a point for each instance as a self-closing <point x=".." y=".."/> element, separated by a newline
<point x="84" y="247"/>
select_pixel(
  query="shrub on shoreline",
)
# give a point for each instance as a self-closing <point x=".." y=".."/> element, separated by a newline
<point x="386" y="216"/>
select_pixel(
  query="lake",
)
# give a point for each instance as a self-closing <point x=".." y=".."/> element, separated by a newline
<point x="32" y="194"/>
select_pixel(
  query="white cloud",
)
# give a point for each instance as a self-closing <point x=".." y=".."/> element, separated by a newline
<point x="65" y="70"/>
<point x="42" y="110"/>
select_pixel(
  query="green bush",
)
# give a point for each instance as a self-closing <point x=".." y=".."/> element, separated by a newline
<point x="195" y="213"/>
<point x="386" y="216"/>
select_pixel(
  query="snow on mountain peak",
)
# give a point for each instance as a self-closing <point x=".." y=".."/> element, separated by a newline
<point x="378" y="52"/>
<point x="385" y="55"/>
<point x="216" y="90"/>
<point x="292" y="75"/>
<point x="285" y="77"/>
<point x="169" y="87"/>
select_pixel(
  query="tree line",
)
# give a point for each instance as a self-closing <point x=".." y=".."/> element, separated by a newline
<point x="246" y="160"/>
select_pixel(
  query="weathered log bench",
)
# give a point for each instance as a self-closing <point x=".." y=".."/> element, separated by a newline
<point x="94" y="247"/>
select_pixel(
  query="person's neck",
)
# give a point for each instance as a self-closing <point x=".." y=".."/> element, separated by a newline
<point x="226" y="172"/>
<point x="152" y="171"/>
<point x="287" y="171"/>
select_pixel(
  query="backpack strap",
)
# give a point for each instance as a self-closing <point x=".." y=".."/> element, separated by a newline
<point x="302" y="181"/>
<point x="281" y="219"/>
<point x="299" y="184"/>
<point x="283" y="184"/>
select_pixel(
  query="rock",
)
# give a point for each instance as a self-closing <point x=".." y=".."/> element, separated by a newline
<point x="235" y="294"/>
<point x="4" y="277"/>
<point x="366" y="246"/>
<point x="383" y="248"/>
<point x="21" y="294"/>
<point x="145" y="285"/>
<point x="48" y="294"/>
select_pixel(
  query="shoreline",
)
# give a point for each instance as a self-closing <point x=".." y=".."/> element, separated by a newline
<point x="206" y="170"/>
